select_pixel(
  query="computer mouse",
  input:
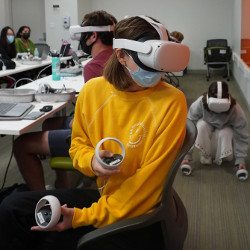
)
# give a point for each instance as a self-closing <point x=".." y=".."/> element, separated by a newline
<point x="46" y="108"/>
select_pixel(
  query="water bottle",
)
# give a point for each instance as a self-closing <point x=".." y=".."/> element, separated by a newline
<point x="56" y="65"/>
<point x="36" y="52"/>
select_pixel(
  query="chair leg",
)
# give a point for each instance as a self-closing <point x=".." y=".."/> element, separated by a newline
<point x="228" y="72"/>
<point x="208" y="73"/>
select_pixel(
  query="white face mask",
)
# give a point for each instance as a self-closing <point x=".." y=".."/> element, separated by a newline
<point x="145" y="78"/>
<point x="10" y="39"/>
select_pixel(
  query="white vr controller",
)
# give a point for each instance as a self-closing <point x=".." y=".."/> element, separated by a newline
<point x="110" y="162"/>
<point x="242" y="174"/>
<point x="48" y="212"/>
<point x="186" y="169"/>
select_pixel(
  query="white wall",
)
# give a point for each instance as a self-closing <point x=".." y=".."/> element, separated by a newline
<point x="84" y="6"/>
<point x="5" y="13"/>
<point x="241" y="71"/>
<point x="54" y="20"/>
<point x="30" y="13"/>
<point x="236" y="27"/>
<point x="198" y="20"/>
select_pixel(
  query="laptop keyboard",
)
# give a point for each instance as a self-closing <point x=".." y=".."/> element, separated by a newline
<point x="6" y="107"/>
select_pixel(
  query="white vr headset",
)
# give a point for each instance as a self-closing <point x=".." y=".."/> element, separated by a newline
<point x="157" y="55"/>
<point x="77" y="30"/>
<point x="219" y="104"/>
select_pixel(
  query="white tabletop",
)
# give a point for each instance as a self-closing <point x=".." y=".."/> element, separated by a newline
<point x="23" y="67"/>
<point x="18" y="127"/>
<point x="69" y="82"/>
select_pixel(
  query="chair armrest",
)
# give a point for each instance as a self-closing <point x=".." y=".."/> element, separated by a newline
<point x="117" y="227"/>
<point x="68" y="140"/>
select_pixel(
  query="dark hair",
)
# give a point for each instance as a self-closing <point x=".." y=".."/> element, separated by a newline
<point x="9" y="48"/>
<point x="100" y="18"/>
<point x="18" y="34"/>
<point x="177" y="35"/>
<point x="132" y="28"/>
<point x="212" y="92"/>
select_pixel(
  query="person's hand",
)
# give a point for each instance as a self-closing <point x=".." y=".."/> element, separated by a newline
<point x="65" y="224"/>
<point x="71" y="123"/>
<point x="99" y="170"/>
<point x="241" y="166"/>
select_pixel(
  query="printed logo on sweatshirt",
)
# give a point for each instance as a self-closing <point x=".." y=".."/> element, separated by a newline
<point x="136" y="135"/>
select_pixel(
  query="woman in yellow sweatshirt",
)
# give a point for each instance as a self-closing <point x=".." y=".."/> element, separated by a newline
<point x="148" y="116"/>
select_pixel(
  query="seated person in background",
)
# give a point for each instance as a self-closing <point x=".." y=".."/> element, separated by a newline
<point x="7" y="48"/>
<point x="149" y="117"/>
<point x="22" y="41"/>
<point x="51" y="141"/>
<point x="222" y="128"/>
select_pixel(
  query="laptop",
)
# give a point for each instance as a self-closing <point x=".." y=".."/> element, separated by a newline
<point x="14" y="111"/>
<point x="65" y="48"/>
<point x="45" y="53"/>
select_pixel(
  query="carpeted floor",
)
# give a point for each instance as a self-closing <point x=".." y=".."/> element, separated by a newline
<point x="217" y="204"/>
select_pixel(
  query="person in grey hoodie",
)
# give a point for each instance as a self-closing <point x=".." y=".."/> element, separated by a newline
<point x="222" y="130"/>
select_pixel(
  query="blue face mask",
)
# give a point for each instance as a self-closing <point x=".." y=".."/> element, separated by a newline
<point x="145" y="78"/>
<point x="10" y="39"/>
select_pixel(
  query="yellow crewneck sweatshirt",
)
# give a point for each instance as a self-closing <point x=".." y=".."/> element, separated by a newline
<point x="150" y="124"/>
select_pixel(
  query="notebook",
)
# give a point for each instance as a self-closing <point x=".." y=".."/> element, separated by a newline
<point x="14" y="111"/>
<point x="45" y="53"/>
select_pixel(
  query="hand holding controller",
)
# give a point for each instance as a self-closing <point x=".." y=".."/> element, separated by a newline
<point x="110" y="162"/>
<point x="48" y="212"/>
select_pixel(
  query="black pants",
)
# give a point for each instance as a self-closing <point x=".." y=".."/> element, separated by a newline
<point x="17" y="217"/>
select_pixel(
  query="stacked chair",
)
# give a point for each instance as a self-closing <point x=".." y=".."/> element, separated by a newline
<point x="217" y="55"/>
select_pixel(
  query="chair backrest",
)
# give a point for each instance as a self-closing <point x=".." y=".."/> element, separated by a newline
<point x="43" y="49"/>
<point x="217" y="50"/>
<point x="191" y="133"/>
<point x="217" y="43"/>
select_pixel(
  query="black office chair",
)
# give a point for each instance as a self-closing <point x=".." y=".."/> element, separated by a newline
<point x="217" y="55"/>
<point x="170" y="214"/>
<point x="171" y="78"/>
<point x="43" y="49"/>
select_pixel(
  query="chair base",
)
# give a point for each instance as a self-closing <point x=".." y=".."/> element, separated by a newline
<point x="218" y="66"/>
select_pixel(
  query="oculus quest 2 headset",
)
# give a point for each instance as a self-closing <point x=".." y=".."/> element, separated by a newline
<point x="156" y="55"/>
<point x="153" y="55"/>
<point x="219" y="104"/>
<point x="76" y="31"/>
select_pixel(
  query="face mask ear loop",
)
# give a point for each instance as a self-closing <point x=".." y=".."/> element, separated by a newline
<point x="133" y="60"/>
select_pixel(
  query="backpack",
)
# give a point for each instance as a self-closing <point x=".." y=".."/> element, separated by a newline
<point x="4" y="192"/>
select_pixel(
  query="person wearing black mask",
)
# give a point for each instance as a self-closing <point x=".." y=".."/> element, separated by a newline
<point x="51" y="141"/>
<point x="22" y="41"/>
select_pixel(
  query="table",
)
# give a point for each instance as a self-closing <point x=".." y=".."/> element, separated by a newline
<point x="23" y="67"/>
<point x="18" y="127"/>
<point x="69" y="82"/>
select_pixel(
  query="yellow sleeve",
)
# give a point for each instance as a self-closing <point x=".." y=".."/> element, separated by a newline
<point x="81" y="150"/>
